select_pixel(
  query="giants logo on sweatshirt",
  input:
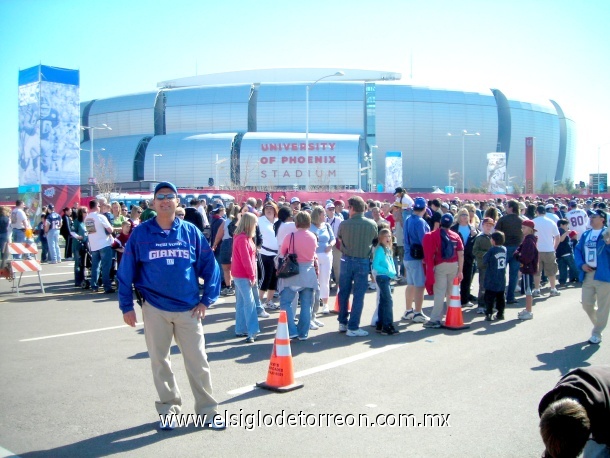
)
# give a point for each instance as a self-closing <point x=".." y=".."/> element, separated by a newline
<point x="169" y="253"/>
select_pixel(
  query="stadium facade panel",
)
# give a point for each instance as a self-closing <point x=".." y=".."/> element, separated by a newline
<point x="191" y="126"/>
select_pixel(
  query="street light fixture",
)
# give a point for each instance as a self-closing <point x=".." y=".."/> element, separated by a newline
<point x="464" y="134"/>
<point x="155" y="156"/>
<point x="91" y="130"/>
<point x="308" y="87"/>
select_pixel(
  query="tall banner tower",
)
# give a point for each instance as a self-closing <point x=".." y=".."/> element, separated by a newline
<point x="49" y="134"/>
<point x="530" y="160"/>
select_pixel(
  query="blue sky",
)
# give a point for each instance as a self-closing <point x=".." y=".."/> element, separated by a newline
<point x="531" y="50"/>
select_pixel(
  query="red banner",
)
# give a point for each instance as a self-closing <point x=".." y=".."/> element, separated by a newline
<point x="62" y="195"/>
<point x="530" y="156"/>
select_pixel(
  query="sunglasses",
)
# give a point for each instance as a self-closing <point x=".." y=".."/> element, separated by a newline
<point x="165" y="196"/>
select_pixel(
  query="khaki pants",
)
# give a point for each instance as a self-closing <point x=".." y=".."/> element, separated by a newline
<point x="596" y="291"/>
<point x="444" y="274"/>
<point x="159" y="329"/>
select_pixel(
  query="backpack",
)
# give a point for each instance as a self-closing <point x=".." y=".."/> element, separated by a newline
<point x="447" y="247"/>
<point x="232" y="226"/>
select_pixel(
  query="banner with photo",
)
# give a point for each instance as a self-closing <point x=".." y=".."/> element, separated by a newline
<point x="496" y="173"/>
<point x="393" y="170"/>
<point x="49" y="123"/>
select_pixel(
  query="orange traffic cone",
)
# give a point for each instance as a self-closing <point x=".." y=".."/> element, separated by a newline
<point x="454" y="318"/>
<point x="280" y="376"/>
<point x="336" y="309"/>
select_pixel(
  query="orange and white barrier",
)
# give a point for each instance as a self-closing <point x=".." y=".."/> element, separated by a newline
<point x="25" y="265"/>
<point x="336" y="309"/>
<point x="280" y="376"/>
<point x="454" y="318"/>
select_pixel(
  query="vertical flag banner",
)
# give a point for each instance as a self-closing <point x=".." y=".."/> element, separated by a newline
<point x="496" y="173"/>
<point x="49" y="123"/>
<point x="530" y="156"/>
<point x="393" y="170"/>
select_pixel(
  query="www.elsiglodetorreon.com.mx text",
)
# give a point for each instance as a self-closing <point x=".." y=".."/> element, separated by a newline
<point x="250" y="421"/>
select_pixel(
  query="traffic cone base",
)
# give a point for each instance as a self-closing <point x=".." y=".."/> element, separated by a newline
<point x="280" y="376"/>
<point x="454" y="319"/>
<point x="336" y="309"/>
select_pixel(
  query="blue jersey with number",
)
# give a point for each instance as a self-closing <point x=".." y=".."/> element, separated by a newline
<point x="495" y="276"/>
<point x="54" y="221"/>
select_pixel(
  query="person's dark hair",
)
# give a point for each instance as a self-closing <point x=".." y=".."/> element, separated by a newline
<point x="80" y="216"/>
<point x="491" y="212"/>
<point x="565" y="428"/>
<point x="513" y="205"/>
<point x="561" y="222"/>
<point x="357" y="204"/>
<point x="92" y="204"/>
<point x="194" y="202"/>
<point x="436" y="202"/>
<point x="18" y="202"/>
<point x="498" y="237"/>
<point x="530" y="211"/>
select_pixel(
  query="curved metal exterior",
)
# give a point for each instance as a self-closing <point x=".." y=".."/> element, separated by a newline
<point x="117" y="159"/>
<point x="189" y="160"/>
<point x="200" y="122"/>
<point x="336" y="108"/>
<point x="127" y="115"/>
<point x="207" y="109"/>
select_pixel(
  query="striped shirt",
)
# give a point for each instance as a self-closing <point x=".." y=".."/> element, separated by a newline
<point x="356" y="235"/>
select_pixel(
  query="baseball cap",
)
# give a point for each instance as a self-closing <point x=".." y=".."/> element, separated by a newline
<point x="446" y="220"/>
<point x="529" y="223"/>
<point x="399" y="190"/>
<point x="218" y="207"/>
<point x="295" y="199"/>
<point x="549" y="206"/>
<point x="51" y="207"/>
<point x="420" y="203"/>
<point x="572" y="204"/>
<point x="488" y="220"/>
<point x="165" y="184"/>
<point x="596" y="213"/>
<point x="339" y="202"/>
<point x="445" y="205"/>
<point x="330" y="205"/>
<point x="572" y="234"/>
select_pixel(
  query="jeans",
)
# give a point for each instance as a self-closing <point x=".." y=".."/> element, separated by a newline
<point x="287" y="295"/>
<point x="513" y="273"/>
<point x="386" y="317"/>
<point x="79" y="271"/>
<point x="465" y="284"/>
<point x="18" y="237"/>
<point x="103" y="256"/>
<point x="246" y="319"/>
<point x="354" y="272"/>
<point x="53" y="240"/>
<point x="565" y="262"/>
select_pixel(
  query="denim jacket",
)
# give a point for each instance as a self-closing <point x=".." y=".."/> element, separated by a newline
<point x="602" y="273"/>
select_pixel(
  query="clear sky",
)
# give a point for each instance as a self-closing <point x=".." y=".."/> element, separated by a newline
<point x="532" y="50"/>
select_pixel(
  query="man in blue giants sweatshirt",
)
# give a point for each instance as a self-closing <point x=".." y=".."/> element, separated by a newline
<point x="164" y="258"/>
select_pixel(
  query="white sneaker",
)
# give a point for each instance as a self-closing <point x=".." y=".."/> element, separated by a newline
<point x="272" y="305"/>
<point x="525" y="315"/>
<point x="342" y="327"/>
<point x="372" y="286"/>
<point x="263" y="314"/>
<point x="318" y="323"/>
<point x="420" y="318"/>
<point x="408" y="315"/>
<point x="595" y="339"/>
<point x="313" y="326"/>
<point x="536" y="293"/>
<point x="554" y="292"/>
<point x="325" y="310"/>
<point x="357" y="333"/>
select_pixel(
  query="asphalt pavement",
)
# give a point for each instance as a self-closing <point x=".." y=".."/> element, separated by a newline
<point x="77" y="382"/>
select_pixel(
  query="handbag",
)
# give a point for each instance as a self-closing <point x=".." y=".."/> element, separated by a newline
<point x="288" y="266"/>
<point x="416" y="250"/>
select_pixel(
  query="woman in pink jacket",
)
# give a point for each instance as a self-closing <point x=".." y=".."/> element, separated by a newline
<point x="243" y="270"/>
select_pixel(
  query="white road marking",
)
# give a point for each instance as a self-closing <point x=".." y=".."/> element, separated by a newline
<point x="78" y="332"/>
<point x="327" y="366"/>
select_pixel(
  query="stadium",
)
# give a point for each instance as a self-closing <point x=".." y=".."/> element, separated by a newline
<point x="319" y="129"/>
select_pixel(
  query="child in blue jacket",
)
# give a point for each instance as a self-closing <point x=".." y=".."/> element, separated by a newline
<point x="384" y="271"/>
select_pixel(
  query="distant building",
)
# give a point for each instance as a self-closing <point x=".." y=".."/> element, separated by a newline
<point x="249" y="128"/>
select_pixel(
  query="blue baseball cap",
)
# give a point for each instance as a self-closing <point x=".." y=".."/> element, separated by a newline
<point x="218" y="207"/>
<point x="420" y="203"/>
<point x="165" y="184"/>
<point x="447" y="220"/>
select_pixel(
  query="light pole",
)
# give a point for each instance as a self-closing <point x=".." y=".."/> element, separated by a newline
<point x="155" y="156"/>
<point x="464" y="134"/>
<point x="368" y="160"/>
<point x="91" y="130"/>
<point x="216" y="168"/>
<point x="308" y="87"/>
